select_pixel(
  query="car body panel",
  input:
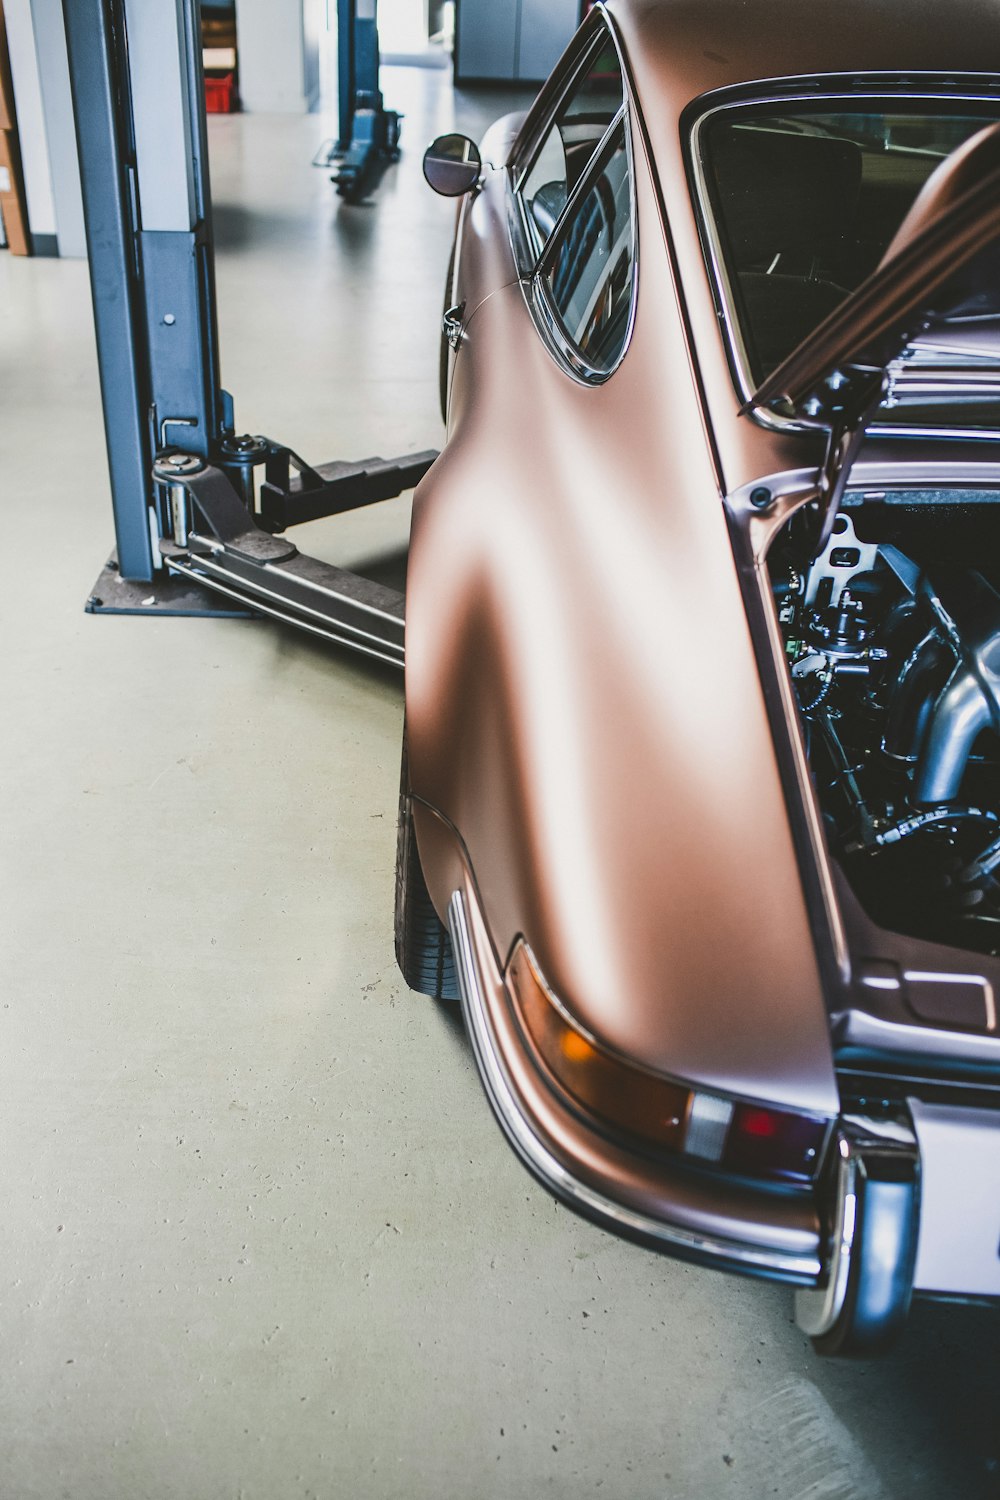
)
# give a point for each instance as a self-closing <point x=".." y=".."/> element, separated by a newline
<point x="965" y="1263"/>
<point x="599" y="849"/>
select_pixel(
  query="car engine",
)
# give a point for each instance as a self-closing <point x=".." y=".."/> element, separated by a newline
<point x="893" y="642"/>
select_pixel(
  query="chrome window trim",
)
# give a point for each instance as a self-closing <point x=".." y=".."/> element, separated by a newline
<point x="547" y="318"/>
<point x="539" y="256"/>
<point x="709" y="1249"/>
<point x="722" y="287"/>
<point x="527" y="262"/>
<point x="946" y="434"/>
<point x="575" y="69"/>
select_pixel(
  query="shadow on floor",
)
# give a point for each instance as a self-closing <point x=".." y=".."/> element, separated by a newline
<point x="942" y="1384"/>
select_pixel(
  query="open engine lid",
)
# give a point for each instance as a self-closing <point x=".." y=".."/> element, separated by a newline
<point x="927" y="319"/>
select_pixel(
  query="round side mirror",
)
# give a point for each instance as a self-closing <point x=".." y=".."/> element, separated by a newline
<point x="452" y="165"/>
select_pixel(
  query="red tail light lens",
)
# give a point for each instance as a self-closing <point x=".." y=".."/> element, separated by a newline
<point x="749" y="1139"/>
<point x="774" y="1143"/>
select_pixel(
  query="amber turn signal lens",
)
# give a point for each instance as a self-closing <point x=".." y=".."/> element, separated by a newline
<point x="614" y="1091"/>
<point x="751" y="1140"/>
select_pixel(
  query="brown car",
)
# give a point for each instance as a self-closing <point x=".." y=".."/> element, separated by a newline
<point x="700" y="812"/>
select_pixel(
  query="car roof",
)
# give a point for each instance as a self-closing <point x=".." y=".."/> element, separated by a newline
<point x="680" y="49"/>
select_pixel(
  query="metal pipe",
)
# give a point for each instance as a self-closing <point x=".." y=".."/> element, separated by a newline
<point x="961" y="713"/>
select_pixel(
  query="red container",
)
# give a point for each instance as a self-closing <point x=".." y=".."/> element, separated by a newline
<point x="220" y="93"/>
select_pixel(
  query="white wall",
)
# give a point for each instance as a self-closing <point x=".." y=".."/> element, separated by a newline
<point x="60" y="131"/>
<point x="47" y="136"/>
<point x="30" y="117"/>
<point x="279" y="44"/>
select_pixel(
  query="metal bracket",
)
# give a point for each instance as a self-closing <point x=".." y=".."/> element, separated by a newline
<point x="292" y="492"/>
<point x="847" y="428"/>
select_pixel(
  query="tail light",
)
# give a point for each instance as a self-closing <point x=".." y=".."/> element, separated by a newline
<point x="753" y="1140"/>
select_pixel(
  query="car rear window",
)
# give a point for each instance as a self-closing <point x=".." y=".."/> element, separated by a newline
<point x="804" y="201"/>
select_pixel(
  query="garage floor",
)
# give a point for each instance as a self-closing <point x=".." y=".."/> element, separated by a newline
<point x="260" y="1236"/>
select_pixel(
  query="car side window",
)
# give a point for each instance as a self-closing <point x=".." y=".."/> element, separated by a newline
<point x="586" y="274"/>
<point x="570" y="141"/>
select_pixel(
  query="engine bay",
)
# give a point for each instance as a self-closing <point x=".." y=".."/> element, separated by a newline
<point x="892" y="637"/>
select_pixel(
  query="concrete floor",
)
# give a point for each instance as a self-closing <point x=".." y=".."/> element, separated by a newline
<point x="260" y="1235"/>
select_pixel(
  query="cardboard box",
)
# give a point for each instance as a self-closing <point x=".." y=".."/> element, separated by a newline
<point x="8" y="119"/>
<point x="12" y="204"/>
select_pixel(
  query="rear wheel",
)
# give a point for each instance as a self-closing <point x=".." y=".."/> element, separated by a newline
<point x="423" y="946"/>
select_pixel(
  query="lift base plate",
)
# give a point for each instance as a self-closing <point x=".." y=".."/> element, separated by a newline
<point x="165" y="595"/>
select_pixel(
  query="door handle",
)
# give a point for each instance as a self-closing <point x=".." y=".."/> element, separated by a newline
<point x="451" y="324"/>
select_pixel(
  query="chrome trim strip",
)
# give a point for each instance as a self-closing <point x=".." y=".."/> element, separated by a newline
<point x="817" y="1311"/>
<point x="254" y="600"/>
<point x="617" y="1217"/>
<point x="809" y="802"/>
<point x="856" y="1028"/>
<point x="946" y="434"/>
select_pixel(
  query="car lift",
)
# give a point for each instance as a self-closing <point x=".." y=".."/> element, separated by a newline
<point x="369" y="133"/>
<point x="197" y="506"/>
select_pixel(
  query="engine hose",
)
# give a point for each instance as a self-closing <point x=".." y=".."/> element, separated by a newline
<point x="824" y="692"/>
<point x="983" y="865"/>
<point x="917" y="821"/>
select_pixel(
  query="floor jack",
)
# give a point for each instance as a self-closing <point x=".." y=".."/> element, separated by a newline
<point x="200" y="511"/>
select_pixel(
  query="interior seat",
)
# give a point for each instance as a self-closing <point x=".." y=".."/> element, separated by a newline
<point x="787" y="202"/>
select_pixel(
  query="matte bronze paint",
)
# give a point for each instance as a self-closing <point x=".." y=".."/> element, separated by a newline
<point x="583" y="704"/>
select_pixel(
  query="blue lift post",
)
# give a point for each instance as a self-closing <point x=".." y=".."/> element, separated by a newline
<point x="151" y="275"/>
<point x="369" y="133"/>
<point x="198" y="507"/>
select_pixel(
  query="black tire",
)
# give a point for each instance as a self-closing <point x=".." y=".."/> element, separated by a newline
<point x="423" y="947"/>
